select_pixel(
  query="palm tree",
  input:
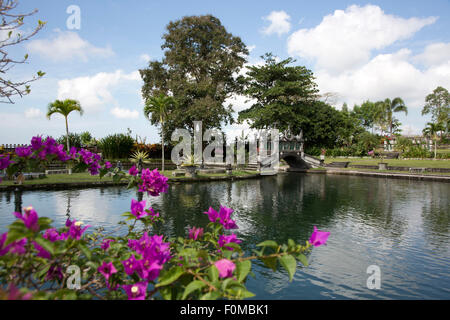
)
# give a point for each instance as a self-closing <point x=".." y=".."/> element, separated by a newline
<point x="388" y="108"/>
<point x="158" y="108"/>
<point x="64" y="108"/>
<point x="431" y="130"/>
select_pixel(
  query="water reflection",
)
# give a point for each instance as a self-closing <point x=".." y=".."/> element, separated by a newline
<point x="402" y="226"/>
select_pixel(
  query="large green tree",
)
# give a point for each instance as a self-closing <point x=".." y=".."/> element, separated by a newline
<point x="387" y="109"/>
<point x="156" y="110"/>
<point x="368" y="114"/>
<point x="281" y="92"/>
<point x="199" y="67"/>
<point x="438" y="105"/>
<point x="64" y="108"/>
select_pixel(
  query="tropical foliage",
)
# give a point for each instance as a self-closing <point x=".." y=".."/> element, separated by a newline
<point x="116" y="146"/>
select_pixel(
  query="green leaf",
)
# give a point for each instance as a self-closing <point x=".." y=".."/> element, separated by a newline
<point x="85" y="250"/>
<point x="270" y="263"/>
<point x="191" y="287"/>
<point x="213" y="273"/>
<point x="46" y="245"/>
<point x="289" y="263"/>
<point x="302" y="258"/>
<point x="268" y="243"/>
<point x="13" y="235"/>
<point x="243" y="268"/>
<point x="170" y="276"/>
<point x="213" y="295"/>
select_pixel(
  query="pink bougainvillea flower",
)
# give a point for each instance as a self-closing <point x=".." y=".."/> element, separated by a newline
<point x="51" y="235"/>
<point x="23" y="152"/>
<point x="136" y="291"/>
<point x="138" y="208"/>
<point x="318" y="238"/>
<point x="151" y="212"/>
<point x="30" y="218"/>
<point x="4" y="161"/>
<point x="153" y="182"/>
<point x="108" y="165"/>
<point x="212" y="214"/>
<point x="54" y="272"/>
<point x="41" y="251"/>
<point x="225" y="218"/>
<point x="3" y="249"/>
<point x="75" y="229"/>
<point x="18" y="247"/>
<point x="148" y="268"/>
<point x="130" y="265"/>
<point x="133" y="171"/>
<point x="223" y="240"/>
<point x="106" y="244"/>
<point x="15" y="294"/>
<point x="195" y="233"/>
<point x="36" y="143"/>
<point x="225" y="267"/>
<point x="107" y="269"/>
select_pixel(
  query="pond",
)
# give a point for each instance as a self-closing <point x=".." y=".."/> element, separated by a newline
<point x="401" y="226"/>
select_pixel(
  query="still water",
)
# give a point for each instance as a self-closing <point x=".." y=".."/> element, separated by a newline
<point x="401" y="226"/>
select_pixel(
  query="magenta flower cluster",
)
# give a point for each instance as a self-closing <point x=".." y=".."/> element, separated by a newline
<point x="147" y="261"/>
<point x="40" y="149"/>
<point x="224" y="215"/>
<point x="153" y="182"/>
<point x="139" y="211"/>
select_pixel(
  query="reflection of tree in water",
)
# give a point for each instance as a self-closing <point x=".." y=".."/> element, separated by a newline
<point x="436" y="215"/>
<point x="18" y="200"/>
<point x="71" y="194"/>
<point x="184" y="205"/>
<point x="374" y="201"/>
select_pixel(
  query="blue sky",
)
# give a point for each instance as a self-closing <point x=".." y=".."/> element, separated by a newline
<point x="357" y="49"/>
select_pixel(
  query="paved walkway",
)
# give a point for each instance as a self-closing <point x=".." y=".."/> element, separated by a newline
<point x="394" y="175"/>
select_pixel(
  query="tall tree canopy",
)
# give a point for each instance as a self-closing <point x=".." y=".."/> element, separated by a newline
<point x="199" y="66"/>
<point x="438" y="104"/>
<point x="281" y="93"/>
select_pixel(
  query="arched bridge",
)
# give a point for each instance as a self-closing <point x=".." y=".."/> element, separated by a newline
<point x="291" y="151"/>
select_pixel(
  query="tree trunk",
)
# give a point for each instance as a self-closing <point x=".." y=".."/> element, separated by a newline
<point x="162" y="144"/>
<point x="67" y="135"/>
<point x="67" y="140"/>
<point x="435" y="144"/>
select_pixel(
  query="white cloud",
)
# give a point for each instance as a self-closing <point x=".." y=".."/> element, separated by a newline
<point x="145" y="57"/>
<point x="345" y="39"/>
<point x="33" y="113"/>
<point x="279" y="23"/>
<point x="95" y="92"/>
<point x="67" y="45"/>
<point x="239" y="102"/>
<point x="435" y="54"/>
<point x="386" y="76"/>
<point x="124" y="113"/>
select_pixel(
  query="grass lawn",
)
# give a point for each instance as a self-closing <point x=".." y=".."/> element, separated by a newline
<point x="86" y="177"/>
<point x="428" y="163"/>
<point x="396" y="171"/>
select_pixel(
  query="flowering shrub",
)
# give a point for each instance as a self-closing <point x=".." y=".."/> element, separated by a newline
<point x="208" y="264"/>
